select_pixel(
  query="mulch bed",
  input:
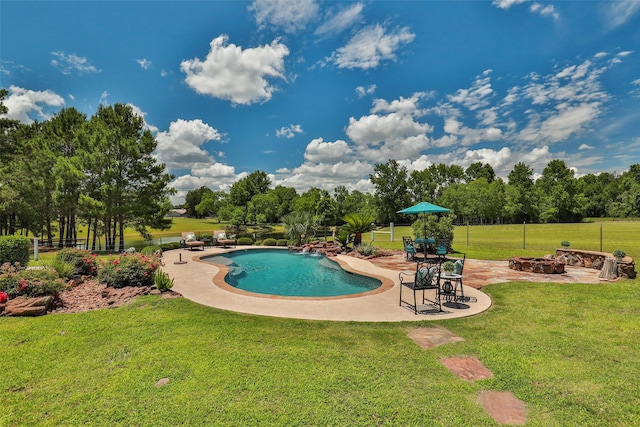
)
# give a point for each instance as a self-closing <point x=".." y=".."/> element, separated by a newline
<point x="91" y="295"/>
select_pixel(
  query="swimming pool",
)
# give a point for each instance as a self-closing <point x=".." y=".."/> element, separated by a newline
<point x="284" y="273"/>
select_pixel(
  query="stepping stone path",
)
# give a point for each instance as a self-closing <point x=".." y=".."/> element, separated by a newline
<point x="428" y="338"/>
<point x="504" y="407"/>
<point x="467" y="368"/>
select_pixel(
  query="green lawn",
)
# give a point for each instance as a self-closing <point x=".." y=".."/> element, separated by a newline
<point x="569" y="352"/>
<point x="499" y="242"/>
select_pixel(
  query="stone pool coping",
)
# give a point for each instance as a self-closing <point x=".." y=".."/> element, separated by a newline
<point x="199" y="281"/>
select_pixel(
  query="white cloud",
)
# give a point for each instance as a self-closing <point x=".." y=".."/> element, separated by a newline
<point x="104" y="98"/>
<point x="319" y="151"/>
<point x="353" y="175"/>
<point x="181" y="146"/>
<point x="391" y="131"/>
<point x="545" y="10"/>
<point x="216" y="170"/>
<point x="22" y="102"/>
<point x="497" y="159"/>
<point x="563" y="103"/>
<point x="144" y="63"/>
<point x="163" y="73"/>
<point x="475" y="97"/>
<point x="586" y="147"/>
<point x="290" y="16"/>
<point x="402" y="105"/>
<point x="541" y="9"/>
<point x="234" y="74"/>
<point x="341" y="20"/>
<point x="618" y="12"/>
<point x="289" y="131"/>
<point x="362" y="91"/>
<point x="67" y="64"/>
<point x="370" y="47"/>
<point x="506" y="4"/>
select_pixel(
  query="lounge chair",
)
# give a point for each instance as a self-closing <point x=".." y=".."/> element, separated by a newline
<point x="189" y="241"/>
<point x="221" y="238"/>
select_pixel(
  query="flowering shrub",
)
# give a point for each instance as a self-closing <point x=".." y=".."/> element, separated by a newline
<point x="129" y="270"/>
<point x="3" y="297"/>
<point x="84" y="262"/>
<point x="30" y="283"/>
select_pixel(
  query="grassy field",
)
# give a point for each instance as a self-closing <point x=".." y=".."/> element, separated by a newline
<point x="569" y="352"/>
<point x="499" y="242"/>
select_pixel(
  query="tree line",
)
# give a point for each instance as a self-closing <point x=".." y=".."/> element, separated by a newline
<point x="475" y="195"/>
<point x="68" y="170"/>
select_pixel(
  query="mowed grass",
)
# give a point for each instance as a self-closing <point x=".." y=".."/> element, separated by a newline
<point x="569" y="352"/>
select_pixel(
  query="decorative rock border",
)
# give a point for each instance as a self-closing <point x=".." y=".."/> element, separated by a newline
<point x="537" y="265"/>
<point x="595" y="260"/>
<point x="319" y="247"/>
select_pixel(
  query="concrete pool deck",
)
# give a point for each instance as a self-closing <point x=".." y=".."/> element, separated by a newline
<point x="195" y="281"/>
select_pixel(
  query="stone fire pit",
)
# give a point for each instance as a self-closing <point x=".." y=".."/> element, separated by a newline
<point x="536" y="265"/>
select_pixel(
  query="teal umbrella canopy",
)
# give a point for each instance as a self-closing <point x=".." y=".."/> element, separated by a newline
<point x="424" y="207"/>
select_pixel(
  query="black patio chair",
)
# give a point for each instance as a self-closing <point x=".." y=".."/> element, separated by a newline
<point x="410" y="250"/>
<point x="426" y="277"/>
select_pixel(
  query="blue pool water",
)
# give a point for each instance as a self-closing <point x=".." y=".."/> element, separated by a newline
<point x="279" y="272"/>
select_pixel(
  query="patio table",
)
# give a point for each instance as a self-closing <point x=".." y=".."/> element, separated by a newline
<point x="425" y="241"/>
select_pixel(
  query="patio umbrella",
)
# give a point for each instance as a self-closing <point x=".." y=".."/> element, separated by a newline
<point x="424" y="208"/>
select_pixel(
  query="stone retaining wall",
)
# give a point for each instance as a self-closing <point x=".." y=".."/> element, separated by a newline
<point x="593" y="259"/>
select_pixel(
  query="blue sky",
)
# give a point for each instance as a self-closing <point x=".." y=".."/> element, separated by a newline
<point x="315" y="93"/>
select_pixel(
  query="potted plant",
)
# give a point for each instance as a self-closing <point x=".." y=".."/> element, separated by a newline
<point x="618" y="254"/>
<point x="448" y="267"/>
<point x="565" y="243"/>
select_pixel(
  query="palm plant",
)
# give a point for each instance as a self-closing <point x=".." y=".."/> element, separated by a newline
<point x="358" y="224"/>
<point x="344" y="236"/>
<point x="299" y="226"/>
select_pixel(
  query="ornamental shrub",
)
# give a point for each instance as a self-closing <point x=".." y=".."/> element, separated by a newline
<point x="162" y="281"/>
<point x="84" y="262"/>
<point x="14" y="249"/>
<point x="282" y="242"/>
<point x="247" y="241"/>
<point x="133" y="269"/>
<point x="151" y="250"/>
<point x="64" y="269"/>
<point x="619" y="253"/>
<point x="269" y="242"/>
<point x="30" y="283"/>
<point x="366" y="249"/>
<point x="169" y="246"/>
